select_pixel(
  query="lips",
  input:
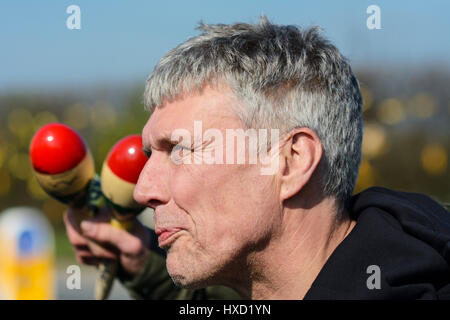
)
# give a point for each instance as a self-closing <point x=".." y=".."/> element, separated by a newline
<point x="166" y="235"/>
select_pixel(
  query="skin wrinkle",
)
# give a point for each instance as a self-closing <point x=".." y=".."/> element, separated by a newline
<point x="289" y="282"/>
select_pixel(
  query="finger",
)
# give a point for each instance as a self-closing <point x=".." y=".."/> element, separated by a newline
<point x="73" y="233"/>
<point x="103" y="250"/>
<point x="83" y="247"/>
<point x="126" y="242"/>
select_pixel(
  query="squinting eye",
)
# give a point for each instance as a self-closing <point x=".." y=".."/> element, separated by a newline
<point x="178" y="146"/>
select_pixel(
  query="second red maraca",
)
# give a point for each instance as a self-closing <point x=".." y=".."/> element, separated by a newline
<point x="119" y="176"/>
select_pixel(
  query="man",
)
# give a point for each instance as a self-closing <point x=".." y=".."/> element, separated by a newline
<point x="285" y="226"/>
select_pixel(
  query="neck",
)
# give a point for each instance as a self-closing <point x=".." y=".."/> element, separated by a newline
<point x="296" y="253"/>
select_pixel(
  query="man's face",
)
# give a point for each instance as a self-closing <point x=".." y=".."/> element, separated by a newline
<point x="210" y="218"/>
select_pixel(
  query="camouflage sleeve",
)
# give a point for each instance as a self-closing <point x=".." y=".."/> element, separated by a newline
<point x="153" y="282"/>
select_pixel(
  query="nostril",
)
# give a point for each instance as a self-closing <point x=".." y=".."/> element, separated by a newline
<point x="154" y="203"/>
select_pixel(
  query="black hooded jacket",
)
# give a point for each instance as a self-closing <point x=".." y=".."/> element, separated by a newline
<point x="401" y="238"/>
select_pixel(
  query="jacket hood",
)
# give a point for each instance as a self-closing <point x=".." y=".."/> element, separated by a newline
<point x="398" y="249"/>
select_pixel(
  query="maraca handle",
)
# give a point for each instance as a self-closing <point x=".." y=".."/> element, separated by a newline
<point x="107" y="271"/>
<point x="108" y="268"/>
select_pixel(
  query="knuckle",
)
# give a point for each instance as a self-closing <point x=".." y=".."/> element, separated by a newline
<point x="135" y="247"/>
<point x="75" y="238"/>
<point x="94" y="231"/>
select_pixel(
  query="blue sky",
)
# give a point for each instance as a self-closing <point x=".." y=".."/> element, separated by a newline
<point x="120" y="41"/>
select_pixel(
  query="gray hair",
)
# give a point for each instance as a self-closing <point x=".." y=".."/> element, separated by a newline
<point x="285" y="77"/>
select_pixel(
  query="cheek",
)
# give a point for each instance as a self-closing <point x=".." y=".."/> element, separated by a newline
<point x="191" y="193"/>
<point x="254" y="214"/>
<point x="253" y="204"/>
<point x="228" y="205"/>
<point x="204" y="190"/>
<point x="186" y="186"/>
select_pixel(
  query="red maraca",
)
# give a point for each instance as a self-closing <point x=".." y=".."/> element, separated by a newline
<point x="119" y="176"/>
<point x="61" y="161"/>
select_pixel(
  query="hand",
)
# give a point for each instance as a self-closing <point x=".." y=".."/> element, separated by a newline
<point x="97" y="240"/>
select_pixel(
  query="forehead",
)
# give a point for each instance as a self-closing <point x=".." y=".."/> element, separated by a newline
<point x="213" y="107"/>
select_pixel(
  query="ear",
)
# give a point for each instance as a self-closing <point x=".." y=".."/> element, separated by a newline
<point x="300" y="155"/>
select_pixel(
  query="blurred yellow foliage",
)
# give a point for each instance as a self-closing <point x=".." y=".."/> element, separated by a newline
<point x="5" y="184"/>
<point x="3" y="150"/>
<point x="20" y="123"/>
<point x="20" y="166"/>
<point x="76" y="116"/>
<point x="42" y="118"/>
<point x="103" y="116"/>
<point x="53" y="210"/>
<point x="374" y="140"/>
<point x="34" y="189"/>
<point x="366" y="176"/>
<point x="434" y="159"/>
<point x="391" y="111"/>
<point x="422" y="105"/>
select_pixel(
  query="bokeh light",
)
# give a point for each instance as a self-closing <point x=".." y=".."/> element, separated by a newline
<point x="42" y="118"/>
<point x="10" y="149"/>
<point x="3" y="152"/>
<point x="422" y="105"/>
<point x="5" y="184"/>
<point x="374" y="140"/>
<point x="391" y="111"/>
<point x="366" y="176"/>
<point x="103" y="116"/>
<point x="19" y="121"/>
<point x="20" y="124"/>
<point x="19" y="166"/>
<point x="53" y="210"/>
<point x="434" y="159"/>
<point x="76" y="116"/>
<point x="35" y="190"/>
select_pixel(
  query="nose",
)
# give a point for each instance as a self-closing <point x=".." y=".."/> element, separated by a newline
<point x="151" y="189"/>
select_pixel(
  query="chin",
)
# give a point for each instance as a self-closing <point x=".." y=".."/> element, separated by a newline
<point x="186" y="273"/>
<point x="188" y="280"/>
<point x="181" y="282"/>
